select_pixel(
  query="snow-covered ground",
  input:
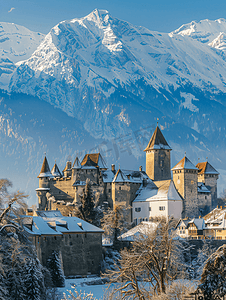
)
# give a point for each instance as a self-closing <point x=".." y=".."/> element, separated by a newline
<point x="88" y="285"/>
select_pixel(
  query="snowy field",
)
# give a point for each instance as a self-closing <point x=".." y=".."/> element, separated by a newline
<point x="85" y="285"/>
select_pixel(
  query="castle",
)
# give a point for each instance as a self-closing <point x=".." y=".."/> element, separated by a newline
<point x="192" y="190"/>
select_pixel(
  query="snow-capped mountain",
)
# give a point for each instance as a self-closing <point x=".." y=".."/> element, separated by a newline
<point x="17" y="43"/>
<point x="115" y="79"/>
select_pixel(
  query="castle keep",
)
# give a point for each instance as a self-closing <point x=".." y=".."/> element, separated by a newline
<point x="193" y="189"/>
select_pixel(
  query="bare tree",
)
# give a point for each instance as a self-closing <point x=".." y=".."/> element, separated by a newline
<point x="154" y="260"/>
<point x="14" y="202"/>
<point x="114" y="222"/>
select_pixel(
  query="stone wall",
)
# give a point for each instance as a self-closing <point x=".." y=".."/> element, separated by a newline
<point x="158" y="164"/>
<point x="81" y="252"/>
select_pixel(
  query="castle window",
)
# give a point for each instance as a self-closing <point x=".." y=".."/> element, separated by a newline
<point x="135" y="222"/>
<point x="120" y="188"/>
<point x="161" y="207"/>
<point x="149" y="208"/>
<point x="161" y="163"/>
<point x="205" y="197"/>
<point x="137" y="209"/>
<point x="109" y="190"/>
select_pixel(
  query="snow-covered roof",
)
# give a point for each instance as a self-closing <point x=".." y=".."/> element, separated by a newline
<point x="45" y="170"/>
<point x="142" y="229"/>
<point x="145" y="192"/>
<point x="129" y="175"/>
<point x="93" y="160"/>
<point x="78" y="183"/>
<point x="206" y="168"/>
<point x="157" y="141"/>
<point x="163" y="190"/>
<point x="120" y="177"/>
<point x="55" y="171"/>
<point x="53" y="223"/>
<point x="76" y="164"/>
<point x="199" y="223"/>
<point x="184" y="163"/>
<point x="202" y="188"/>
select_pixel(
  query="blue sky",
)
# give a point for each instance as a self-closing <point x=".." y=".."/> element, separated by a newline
<point x="160" y="15"/>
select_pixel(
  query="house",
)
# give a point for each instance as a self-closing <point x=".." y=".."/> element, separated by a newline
<point x="78" y="242"/>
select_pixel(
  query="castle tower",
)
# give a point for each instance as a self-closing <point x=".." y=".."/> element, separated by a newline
<point x="76" y="167"/>
<point x="185" y="178"/>
<point x="208" y="175"/>
<point x="44" y="177"/>
<point x="55" y="171"/>
<point x="67" y="170"/>
<point x="158" y="157"/>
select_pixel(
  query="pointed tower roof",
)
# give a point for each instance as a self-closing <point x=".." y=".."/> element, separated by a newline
<point x="206" y="168"/>
<point x="76" y="164"/>
<point x="93" y="160"/>
<point x="120" y="177"/>
<point x="157" y="141"/>
<point x="185" y="163"/>
<point x="55" y="171"/>
<point x="45" y="170"/>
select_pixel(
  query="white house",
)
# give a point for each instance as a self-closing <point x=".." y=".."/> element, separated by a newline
<point x="157" y="199"/>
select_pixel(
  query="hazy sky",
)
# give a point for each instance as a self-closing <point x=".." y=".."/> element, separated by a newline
<point x="160" y="15"/>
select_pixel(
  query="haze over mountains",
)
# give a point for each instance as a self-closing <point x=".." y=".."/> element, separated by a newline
<point x="99" y="83"/>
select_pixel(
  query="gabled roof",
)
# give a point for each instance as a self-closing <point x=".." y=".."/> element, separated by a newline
<point x="45" y="170"/>
<point x="206" y="168"/>
<point x="93" y="160"/>
<point x="185" y="163"/>
<point x="131" y="175"/>
<point x="55" y="171"/>
<point x="76" y="164"/>
<point x="120" y="177"/>
<point x="202" y="188"/>
<point x="141" y="230"/>
<point x="199" y="223"/>
<point x="157" y="141"/>
<point x="163" y="190"/>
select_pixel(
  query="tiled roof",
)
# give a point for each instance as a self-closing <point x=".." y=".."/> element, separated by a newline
<point x="184" y="163"/>
<point x="206" y="168"/>
<point x="93" y="160"/>
<point x="157" y="141"/>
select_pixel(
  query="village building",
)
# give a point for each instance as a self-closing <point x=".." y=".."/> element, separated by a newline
<point x="192" y="189"/>
<point x="78" y="243"/>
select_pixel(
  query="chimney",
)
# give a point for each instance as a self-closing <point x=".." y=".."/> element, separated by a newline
<point x="113" y="168"/>
<point x="68" y="165"/>
<point x="140" y="168"/>
<point x="199" y="217"/>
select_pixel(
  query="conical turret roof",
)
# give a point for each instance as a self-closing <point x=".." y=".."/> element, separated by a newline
<point x="76" y="164"/>
<point x="184" y="163"/>
<point x="55" y="171"/>
<point x="157" y="141"/>
<point x="45" y="170"/>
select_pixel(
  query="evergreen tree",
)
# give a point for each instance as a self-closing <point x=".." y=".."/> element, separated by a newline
<point x="34" y="281"/>
<point x="87" y="209"/>
<point x="54" y="266"/>
<point x="213" y="281"/>
<point x="114" y="222"/>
